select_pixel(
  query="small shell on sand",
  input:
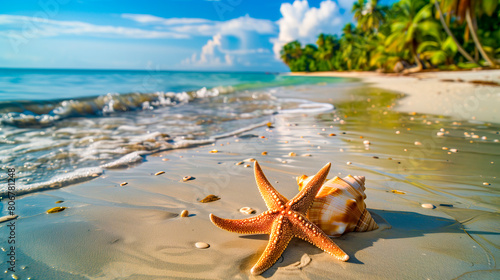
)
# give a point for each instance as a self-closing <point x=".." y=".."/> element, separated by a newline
<point x="239" y="163"/>
<point x="187" y="178"/>
<point x="453" y="150"/>
<point x="398" y="192"/>
<point x="123" y="184"/>
<point x="348" y="163"/>
<point x="332" y="134"/>
<point x="159" y="173"/>
<point x="213" y="151"/>
<point x="366" y="142"/>
<point x="184" y="213"/>
<point x="306" y="155"/>
<point x="440" y="133"/>
<point x="210" y="198"/>
<point x="249" y="160"/>
<point x="59" y="201"/>
<point x="247" y="165"/>
<point x="292" y="154"/>
<point x="55" y="210"/>
<point x="486" y="184"/>
<point x="264" y="153"/>
<point x="201" y="245"/>
<point x="247" y="210"/>
<point x="428" y="206"/>
<point x="417" y="143"/>
<point x="165" y="159"/>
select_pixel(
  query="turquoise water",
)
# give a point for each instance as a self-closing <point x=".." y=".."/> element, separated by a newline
<point x="59" y="127"/>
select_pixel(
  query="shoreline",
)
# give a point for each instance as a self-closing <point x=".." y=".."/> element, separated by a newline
<point x="453" y="94"/>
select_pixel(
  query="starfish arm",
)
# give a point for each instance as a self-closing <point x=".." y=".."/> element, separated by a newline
<point x="274" y="200"/>
<point x="279" y="238"/>
<point x="304" y="199"/>
<point x="308" y="231"/>
<point x="255" y="225"/>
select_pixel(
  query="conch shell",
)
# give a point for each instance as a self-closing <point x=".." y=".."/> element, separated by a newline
<point x="339" y="206"/>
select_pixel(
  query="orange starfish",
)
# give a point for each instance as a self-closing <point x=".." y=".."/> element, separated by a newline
<point x="284" y="219"/>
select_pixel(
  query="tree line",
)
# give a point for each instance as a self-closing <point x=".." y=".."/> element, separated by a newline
<point x="410" y="35"/>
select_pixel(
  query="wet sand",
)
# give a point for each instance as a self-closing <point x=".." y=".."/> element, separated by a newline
<point x="134" y="231"/>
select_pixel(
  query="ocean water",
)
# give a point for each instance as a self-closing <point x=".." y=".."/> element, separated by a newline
<point x="59" y="127"/>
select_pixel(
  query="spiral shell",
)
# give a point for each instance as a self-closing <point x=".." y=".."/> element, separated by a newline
<point x="339" y="206"/>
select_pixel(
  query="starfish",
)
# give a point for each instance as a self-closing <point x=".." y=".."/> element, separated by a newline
<point x="283" y="220"/>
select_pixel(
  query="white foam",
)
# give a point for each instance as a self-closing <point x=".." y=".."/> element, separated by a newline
<point x="59" y="181"/>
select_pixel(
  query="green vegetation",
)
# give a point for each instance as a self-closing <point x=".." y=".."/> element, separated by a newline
<point x="409" y="36"/>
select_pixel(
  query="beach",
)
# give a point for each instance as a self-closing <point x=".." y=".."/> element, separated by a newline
<point x="432" y="140"/>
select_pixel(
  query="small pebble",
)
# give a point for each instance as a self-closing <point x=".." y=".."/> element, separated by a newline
<point x="239" y="163"/>
<point x="247" y="165"/>
<point x="417" y="143"/>
<point x="159" y="173"/>
<point x="484" y="138"/>
<point x="165" y="159"/>
<point x="249" y="160"/>
<point x="453" y="150"/>
<point x="496" y="140"/>
<point x="349" y="163"/>
<point x="55" y="210"/>
<point x="59" y="201"/>
<point x="440" y="133"/>
<point x="123" y="184"/>
<point x="486" y="183"/>
<point x="213" y="151"/>
<point x="398" y="192"/>
<point x="201" y="245"/>
<point x="375" y="157"/>
<point x="269" y="124"/>
<point x="247" y="210"/>
<point x="210" y="198"/>
<point x="284" y="161"/>
<point x="332" y="134"/>
<point x="187" y="178"/>
<point x="307" y="155"/>
<point x="444" y="148"/>
<point x="398" y="132"/>
<point x="428" y="206"/>
<point x="292" y="154"/>
<point x="264" y="153"/>
<point x="366" y="142"/>
<point x="184" y="213"/>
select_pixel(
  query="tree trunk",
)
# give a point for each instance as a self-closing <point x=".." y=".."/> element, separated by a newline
<point x="468" y="18"/>
<point x="448" y="31"/>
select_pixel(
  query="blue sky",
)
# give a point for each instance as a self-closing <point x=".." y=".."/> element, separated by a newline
<point x="227" y="35"/>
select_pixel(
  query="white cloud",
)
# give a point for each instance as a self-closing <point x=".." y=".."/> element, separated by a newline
<point x="304" y="23"/>
<point x="142" y="18"/>
<point x="211" y="54"/>
<point x="232" y="41"/>
<point x="16" y="26"/>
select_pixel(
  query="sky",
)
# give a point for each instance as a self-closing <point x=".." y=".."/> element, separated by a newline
<point x="191" y="35"/>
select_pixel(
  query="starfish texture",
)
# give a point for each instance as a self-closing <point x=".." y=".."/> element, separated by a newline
<point x="283" y="220"/>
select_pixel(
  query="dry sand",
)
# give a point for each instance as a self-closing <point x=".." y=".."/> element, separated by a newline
<point x="134" y="231"/>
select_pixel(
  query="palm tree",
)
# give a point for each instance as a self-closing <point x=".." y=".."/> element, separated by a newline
<point x="413" y="21"/>
<point x="450" y="34"/>
<point x="467" y="10"/>
<point x="291" y="52"/>
<point x="438" y="51"/>
<point x="357" y="10"/>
